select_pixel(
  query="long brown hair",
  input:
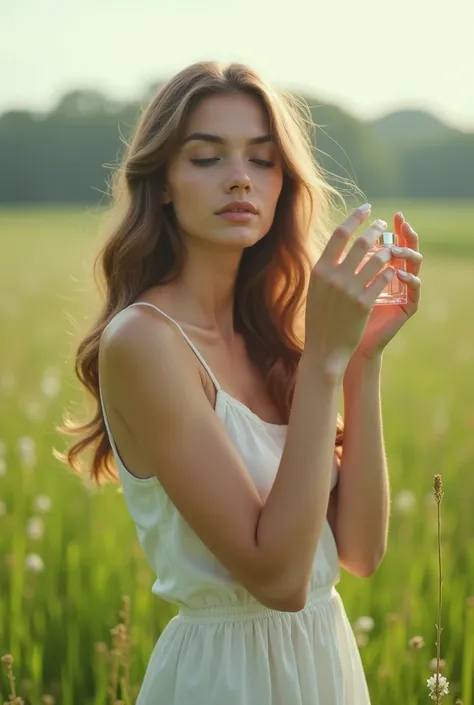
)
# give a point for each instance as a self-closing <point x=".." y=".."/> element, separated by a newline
<point x="144" y="247"/>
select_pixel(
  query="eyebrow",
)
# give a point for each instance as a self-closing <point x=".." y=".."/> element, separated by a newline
<point x="205" y="137"/>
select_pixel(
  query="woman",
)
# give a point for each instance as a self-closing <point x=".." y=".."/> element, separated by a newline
<point x="217" y="363"/>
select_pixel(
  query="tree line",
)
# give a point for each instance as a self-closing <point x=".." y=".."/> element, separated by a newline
<point x="61" y="156"/>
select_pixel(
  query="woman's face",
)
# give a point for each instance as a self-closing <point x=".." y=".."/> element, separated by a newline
<point x="238" y="170"/>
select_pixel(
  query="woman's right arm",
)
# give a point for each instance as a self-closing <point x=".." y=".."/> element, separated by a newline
<point x="149" y="381"/>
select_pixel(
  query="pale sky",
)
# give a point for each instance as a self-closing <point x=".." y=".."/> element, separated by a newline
<point x="370" y="57"/>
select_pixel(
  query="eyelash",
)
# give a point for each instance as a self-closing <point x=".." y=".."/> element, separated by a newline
<point x="207" y="162"/>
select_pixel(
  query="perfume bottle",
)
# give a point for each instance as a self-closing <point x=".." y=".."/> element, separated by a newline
<point x="396" y="291"/>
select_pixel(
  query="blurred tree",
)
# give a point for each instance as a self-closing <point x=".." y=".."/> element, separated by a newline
<point x="61" y="156"/>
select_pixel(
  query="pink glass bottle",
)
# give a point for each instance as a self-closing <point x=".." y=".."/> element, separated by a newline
<point x="396" y="291"/>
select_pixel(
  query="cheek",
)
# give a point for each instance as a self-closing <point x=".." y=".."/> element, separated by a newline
<point x="274" y="189"/>
<point x="198" y="183"/>
<point x="191" y="192"/>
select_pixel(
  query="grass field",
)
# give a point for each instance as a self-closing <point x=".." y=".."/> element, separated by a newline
<point x="68" y="553"/>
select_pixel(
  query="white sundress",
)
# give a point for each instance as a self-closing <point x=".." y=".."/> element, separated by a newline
<point x="224" y="647"/>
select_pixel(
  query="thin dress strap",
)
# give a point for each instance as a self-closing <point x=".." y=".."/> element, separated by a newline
<point x="191" y="344"/>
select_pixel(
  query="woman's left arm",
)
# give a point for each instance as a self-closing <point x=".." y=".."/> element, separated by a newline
<point x="359" y="511"/>
<point x="359" y="506"/>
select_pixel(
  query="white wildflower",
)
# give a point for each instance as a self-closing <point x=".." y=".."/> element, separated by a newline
<point x="438" y="688"/>
<point x="27" y="450"/>
<point x="42" y="503"/>
<point x="35" y="528"/>
<point x="361" y="639"/>
<point x="34" y="411"/>
<point x="404" y="501"/>
<point x="416" y="642"/>
<point x="364" y="624"/>
<point x="433" y="664"/>
<point x="51" y="382"/>
<point x="34" y="563"/>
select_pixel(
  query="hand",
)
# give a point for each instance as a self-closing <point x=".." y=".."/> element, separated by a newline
<point x="385" y="321"/>
<point x="339" y="301"/>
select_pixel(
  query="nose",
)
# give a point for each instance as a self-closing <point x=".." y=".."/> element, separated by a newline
<point x="239" y="180"/>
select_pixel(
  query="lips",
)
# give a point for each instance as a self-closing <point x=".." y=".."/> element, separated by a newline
<point x="238" y="217"/>
<point x="245" y="206"/>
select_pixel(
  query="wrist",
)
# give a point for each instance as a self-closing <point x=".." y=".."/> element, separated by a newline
<point x="362" y="366"/>
<point x="330" y="370"/>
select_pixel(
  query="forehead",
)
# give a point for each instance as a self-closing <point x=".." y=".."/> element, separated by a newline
<point x="231" y="116"/>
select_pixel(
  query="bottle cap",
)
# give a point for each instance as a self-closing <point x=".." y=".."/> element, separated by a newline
<point x="388" y="239"/>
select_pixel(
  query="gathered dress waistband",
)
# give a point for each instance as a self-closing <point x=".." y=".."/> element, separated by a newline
<point x="248" y="611"/>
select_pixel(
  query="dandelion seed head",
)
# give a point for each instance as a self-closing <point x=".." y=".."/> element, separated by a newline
<point x="51" y="382"/>
<point x="34" y="410"/>
<point x="361" y="639"/>
<point x="42" y="503"/>
<point x="404" y="501"/>
<point x="27" y="450"/>
<point x="416" y="642"/>
<point x="364" y="624"/>
<point x="433" y="664"/>
<point x="34" y="563"/>
<point x="35" y="528"/>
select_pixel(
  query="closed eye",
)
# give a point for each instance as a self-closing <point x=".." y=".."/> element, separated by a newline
<point x="208" y="162"/>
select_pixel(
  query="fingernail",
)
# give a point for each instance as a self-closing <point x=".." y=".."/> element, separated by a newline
<point x="397" y="250"/>
<point x="402" y="273"/>
<point x="380" y="224"/>
<point x="401" y="215"/>
<point x="366" y="208"/>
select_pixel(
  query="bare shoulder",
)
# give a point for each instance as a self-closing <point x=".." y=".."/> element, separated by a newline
<point x="142" y="350"/>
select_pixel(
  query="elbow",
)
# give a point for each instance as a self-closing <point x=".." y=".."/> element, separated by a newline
<point x="362" y="567"/>
<point x="287" y="603"/>
<point x="286" y="600"/>
<point x="367" y="570"/>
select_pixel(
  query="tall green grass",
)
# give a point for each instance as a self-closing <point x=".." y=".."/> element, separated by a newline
<point x="55" y="620"/>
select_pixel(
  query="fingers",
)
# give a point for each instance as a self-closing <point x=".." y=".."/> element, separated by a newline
<point x="341" y="236"/>
<point x="371" y="292"/>
<point x="362" y="246"/>
<point x="413" y="286"/>
<point x="373" y="264"/>
<point x="412" y="240"/>
<point x="412" y="257"/>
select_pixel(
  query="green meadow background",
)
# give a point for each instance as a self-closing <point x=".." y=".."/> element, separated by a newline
<point x="69" y="552"/>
